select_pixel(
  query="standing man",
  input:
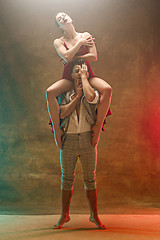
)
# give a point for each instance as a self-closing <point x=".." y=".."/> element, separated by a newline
<point x="77" y="116"/>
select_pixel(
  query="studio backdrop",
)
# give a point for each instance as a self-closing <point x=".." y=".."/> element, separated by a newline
<point x="127" y="38"/>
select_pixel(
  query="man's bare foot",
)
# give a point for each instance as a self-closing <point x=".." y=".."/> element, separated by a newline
<point x="96" y="129"/>
<point x="97" y="222"/>
<point x="57" y="136"/>
<point x="61" y="221"/>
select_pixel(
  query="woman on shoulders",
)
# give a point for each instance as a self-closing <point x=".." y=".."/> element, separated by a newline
<point x="71" y="46"/>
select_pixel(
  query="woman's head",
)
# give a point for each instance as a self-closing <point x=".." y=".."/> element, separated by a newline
<point x="62" y="19"/>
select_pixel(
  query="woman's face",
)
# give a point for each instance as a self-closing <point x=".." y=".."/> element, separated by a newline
<point x="62" y="19"/>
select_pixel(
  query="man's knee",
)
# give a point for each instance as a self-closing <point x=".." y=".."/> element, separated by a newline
<point x="90" y="183"/>
<point x="67" y="182"/>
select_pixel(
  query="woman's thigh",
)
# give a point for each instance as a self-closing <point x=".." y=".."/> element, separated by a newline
<point x="60" y="86"/>
<point x="99" y="84"/>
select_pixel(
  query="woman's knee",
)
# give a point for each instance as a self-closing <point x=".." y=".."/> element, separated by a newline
<point x="50" y="92"/>
<point x="107" y="90"/>
<point x="101" y="85"/>
<point x="58" y="87"/>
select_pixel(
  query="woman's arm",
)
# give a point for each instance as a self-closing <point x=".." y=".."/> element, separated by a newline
<point x="67" y="55"/>
<point x="92" y="55"/>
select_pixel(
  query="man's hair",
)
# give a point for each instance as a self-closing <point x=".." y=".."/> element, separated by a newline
<point x="78" y="62"/>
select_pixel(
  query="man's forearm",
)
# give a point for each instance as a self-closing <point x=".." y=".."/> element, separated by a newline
<point x="67" y="109"/>
<point x="87" y="89"/>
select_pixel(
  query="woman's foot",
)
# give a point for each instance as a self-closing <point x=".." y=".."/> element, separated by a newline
<point x="97" y="222"/>
<point x="61" y="221"/>
<point x="96" y="129"/>
<point x="57" y="135"/>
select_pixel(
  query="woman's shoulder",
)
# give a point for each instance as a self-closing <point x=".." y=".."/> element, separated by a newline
<point x="58" y="41"/>
<point x="85" y="34"/>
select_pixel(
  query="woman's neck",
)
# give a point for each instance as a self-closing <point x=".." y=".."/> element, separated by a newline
<point x="70" y="32"/>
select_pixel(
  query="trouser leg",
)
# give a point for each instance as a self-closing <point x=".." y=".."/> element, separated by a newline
<point x="88" y="158"/>
<point x="68" y="159"/>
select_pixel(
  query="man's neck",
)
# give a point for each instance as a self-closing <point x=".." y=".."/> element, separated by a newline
<point x="74" y="94"/>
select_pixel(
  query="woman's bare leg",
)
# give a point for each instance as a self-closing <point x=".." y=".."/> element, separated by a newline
<point x="105" y="89"/>
<point x="52" y="92"/>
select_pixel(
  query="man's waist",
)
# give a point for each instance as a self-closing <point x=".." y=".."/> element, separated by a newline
<point x="78" y="133"/>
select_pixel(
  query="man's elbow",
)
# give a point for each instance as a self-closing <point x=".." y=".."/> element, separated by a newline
<point x="91" y="97"/>
<point x="62" y="115"/>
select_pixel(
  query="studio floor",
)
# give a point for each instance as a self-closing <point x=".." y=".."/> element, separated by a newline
<point x="119" y="226"/>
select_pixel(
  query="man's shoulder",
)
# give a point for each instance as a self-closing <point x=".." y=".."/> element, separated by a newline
<point x="64" y="98"/>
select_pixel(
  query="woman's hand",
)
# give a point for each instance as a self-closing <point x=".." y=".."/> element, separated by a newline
<point x="87" y="41"/>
